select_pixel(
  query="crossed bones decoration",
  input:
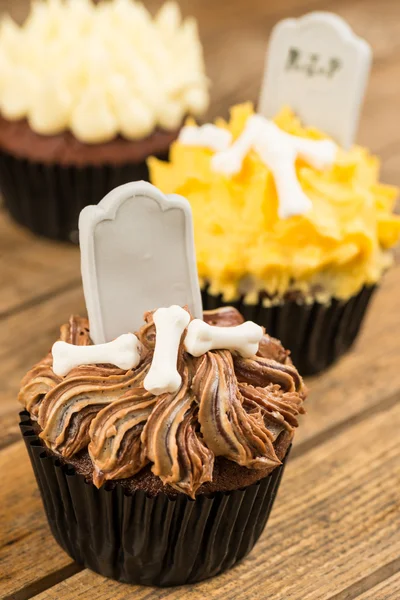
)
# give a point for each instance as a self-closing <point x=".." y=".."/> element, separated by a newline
<point x="170" y="323"/>
<point x="277" y="149"/>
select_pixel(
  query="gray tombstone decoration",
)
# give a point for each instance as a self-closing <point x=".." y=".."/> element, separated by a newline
<point x="319" y="67"/>
<point x="137" y="254"/>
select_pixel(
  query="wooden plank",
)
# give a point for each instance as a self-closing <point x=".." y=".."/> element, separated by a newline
<point x="28" y="551"/>
<point x="365" y="377"/>
<point x="32" y="268"/>
<point x="27" y="337"/>
<point x="387" y="590"/>
<point x="336" y="511"/>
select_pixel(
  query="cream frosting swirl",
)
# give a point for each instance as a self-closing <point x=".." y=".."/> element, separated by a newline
<point x="101" y="70"/>
<point x="226" y="406"/>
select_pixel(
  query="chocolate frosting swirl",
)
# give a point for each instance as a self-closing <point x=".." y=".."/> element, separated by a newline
<point x="41" y="379"/>
<point x="227" y="428"/>
<point x="227" y="406"/>
<point x="173" y="441"/>
<point x="115" y="433"/>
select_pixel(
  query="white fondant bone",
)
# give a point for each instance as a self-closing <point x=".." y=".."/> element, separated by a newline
<point x="163" y="375"/>
<point x="279" y="151"/>
<point x="207" y="136"/>
<point x="202" y="338"/>
<point x="123" y="352"/>
<point x="229" y="162"/>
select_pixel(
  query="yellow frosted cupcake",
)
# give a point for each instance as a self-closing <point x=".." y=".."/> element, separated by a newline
<point x="293" y="230"/>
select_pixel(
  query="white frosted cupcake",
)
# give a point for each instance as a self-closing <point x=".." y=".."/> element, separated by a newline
<point x="87" y="93"/>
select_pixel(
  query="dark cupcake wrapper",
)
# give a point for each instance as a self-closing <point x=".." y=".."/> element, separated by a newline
<point x="47" y="199"/>
<point x="316" y="334"/>
<point x="148" y="540"/>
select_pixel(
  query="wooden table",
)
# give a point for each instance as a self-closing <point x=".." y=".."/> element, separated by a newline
<point x="335" y="530"/>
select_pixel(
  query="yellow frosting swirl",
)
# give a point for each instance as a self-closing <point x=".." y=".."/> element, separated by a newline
<point x="101" y="69"/>
<point x="244" y="248"/>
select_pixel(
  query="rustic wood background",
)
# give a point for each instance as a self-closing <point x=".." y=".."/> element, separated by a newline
<point x="334" y="533"/>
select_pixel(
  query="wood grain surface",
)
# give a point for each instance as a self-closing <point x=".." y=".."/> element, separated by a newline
<point x="335" y="530"/>
<point x="28" y="551"/>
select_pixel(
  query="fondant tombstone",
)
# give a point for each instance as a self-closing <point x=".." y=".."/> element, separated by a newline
<point x="137" y="254"/>
<point x="319" y="67"/>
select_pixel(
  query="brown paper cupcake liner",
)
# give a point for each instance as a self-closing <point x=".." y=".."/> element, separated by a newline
<point x="316" y="334"/>
<point x="47" y="199"/>
<point x="148" y="540"/>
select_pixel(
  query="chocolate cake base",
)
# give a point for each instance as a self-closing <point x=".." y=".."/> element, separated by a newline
<point x="20" y="141"/>
<point x="135" y="537"/>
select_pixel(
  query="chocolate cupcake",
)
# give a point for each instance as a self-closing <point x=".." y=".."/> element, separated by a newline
<point x="155" y="487"/>
<point x="87" y="93"/>
<point x="298" y="248"/>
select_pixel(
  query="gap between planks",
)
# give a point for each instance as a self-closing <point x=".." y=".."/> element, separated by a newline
<point x="360" y="589"/>
<point x="46" y="583"/>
